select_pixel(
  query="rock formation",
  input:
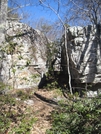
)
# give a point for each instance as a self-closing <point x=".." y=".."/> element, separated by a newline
<point x="24" y="56"/>
<point x="84" y="48"/>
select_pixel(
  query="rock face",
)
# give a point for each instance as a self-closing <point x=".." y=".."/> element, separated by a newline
<point x="84" y="48"/>
<point x="24" y="56"/>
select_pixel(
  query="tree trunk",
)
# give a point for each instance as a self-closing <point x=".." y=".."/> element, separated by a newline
<point x="3" y="18"/>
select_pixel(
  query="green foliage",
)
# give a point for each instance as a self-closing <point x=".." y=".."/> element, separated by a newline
<point x="20" y="57"/>
<point x="77" y="117"/>
<point x="5" y="111"/>
<point x="3" y="86"/>
<point x="10" y="48"/>
<point x="52" y="85"/>
<point x="58" y="92"/>
<point x="13" y="70"/>
<point x="7" y="99"/>
<point x="28" y="62"/>
<point x="15" y="116"/>
<point x="4" y="123"/>
<point x="51" y="81"/>
<point x="23" y="95"/>
<point x="25" y="126"/>
<point x="34" y="77"/>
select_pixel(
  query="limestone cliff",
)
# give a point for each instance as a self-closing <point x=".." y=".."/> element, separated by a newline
<point x="23" y="56"/>
<point x="84" y="48"/>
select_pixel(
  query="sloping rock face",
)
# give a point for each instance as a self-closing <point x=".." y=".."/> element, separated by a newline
<point x="23" y="56"/>
<point x="84" y="49"/>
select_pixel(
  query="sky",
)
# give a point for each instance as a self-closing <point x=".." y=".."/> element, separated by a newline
<point x="35" y="13"/>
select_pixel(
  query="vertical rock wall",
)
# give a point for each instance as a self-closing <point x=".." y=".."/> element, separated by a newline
<point x="84" y="48"/>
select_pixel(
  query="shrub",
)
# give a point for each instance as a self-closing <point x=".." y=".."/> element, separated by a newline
<point x="15" y="116"/>
<point x="78" y="117"/>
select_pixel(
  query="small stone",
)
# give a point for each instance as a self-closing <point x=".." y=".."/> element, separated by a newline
<point x="18" y="99"/>
<point x="29" y="102"/>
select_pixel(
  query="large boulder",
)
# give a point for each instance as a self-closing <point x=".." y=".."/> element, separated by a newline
<point x="84" y="50"/>
<point x="23" y="56"/>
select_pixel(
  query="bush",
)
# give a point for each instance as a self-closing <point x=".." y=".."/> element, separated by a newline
<point x="15" y="116"/>
<point x="77" y="117"/>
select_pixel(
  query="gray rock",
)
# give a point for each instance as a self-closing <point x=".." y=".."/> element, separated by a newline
<point x="84" y="51"/>
<point x="24" y="56"/>
<point x="92" y="93"/>
<point x="29" y="102"/>
<point x="99" y="91"/>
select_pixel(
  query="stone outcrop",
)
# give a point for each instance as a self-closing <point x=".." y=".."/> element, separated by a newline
<point x="84" y="49"/>
<point x="23" y="56"/>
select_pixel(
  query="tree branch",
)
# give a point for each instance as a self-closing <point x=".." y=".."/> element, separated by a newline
<point x="66" y="44"/>
<point x="78" y="6"/>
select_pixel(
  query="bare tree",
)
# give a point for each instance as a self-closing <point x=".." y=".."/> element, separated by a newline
<point x="3" y="17"/>
<point x="56" y="11"/>
<point x="3" y="10"/>
<point x="52" y="30"/>
<point x="88" y="11"/>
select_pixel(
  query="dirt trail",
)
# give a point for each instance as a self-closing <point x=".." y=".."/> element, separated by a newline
<point x="37" y="104"/>
<point x="42" y="112"/>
